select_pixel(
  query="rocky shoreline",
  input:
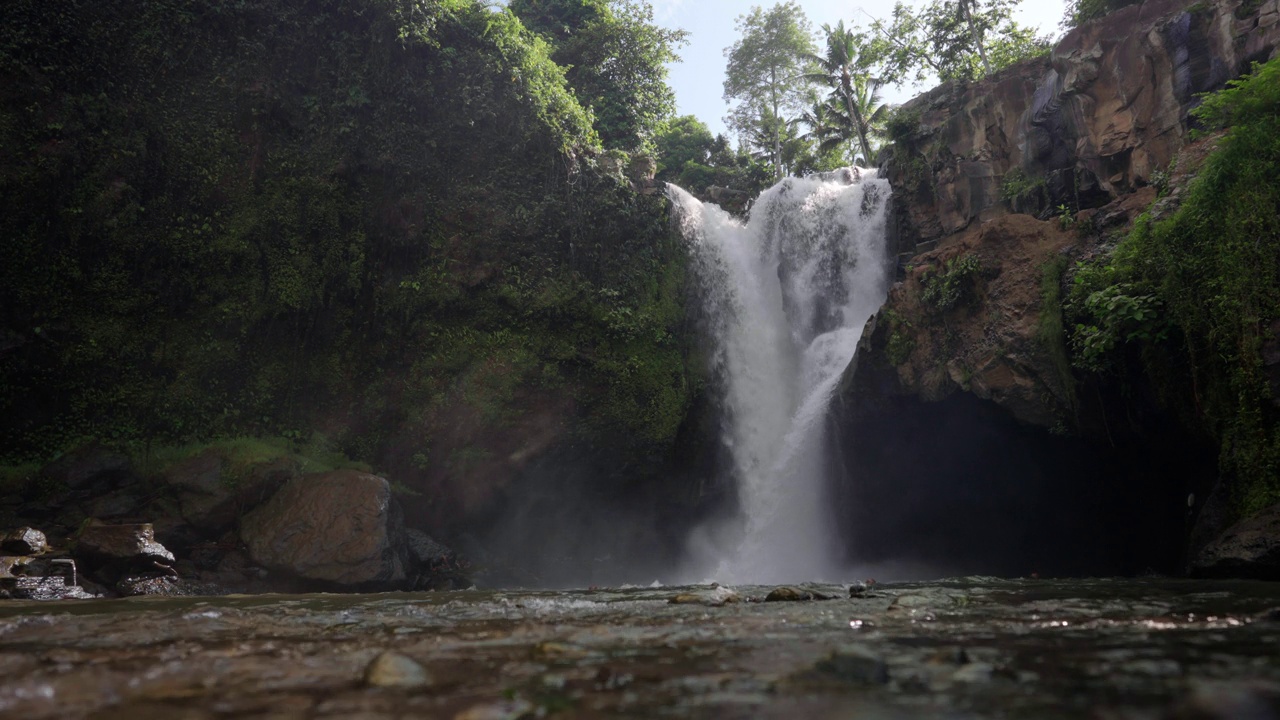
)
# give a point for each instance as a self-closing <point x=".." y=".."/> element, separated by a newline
<point x="207" y="526"/>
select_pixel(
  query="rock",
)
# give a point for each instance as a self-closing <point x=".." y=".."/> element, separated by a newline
<point x="1250" y="548"/>
<point x="339" y="527"/>
<point x="715" y="597"/>
<point x="975" y="672"/>
<point x="51" y="587"/>
<point x="426" y="551"/>
<point x="506" y="710"/>
<point x="1093" y="121"/>
<point x="794" y="594"/>
<point x="88" y="465"/>
<point x="856" y="664"/>
<point x="24" y="541"/>
<point x="212" y="499"/>
<point x="395" y="670"/>
<point x="165" y="586"/>
<point x="101" y="542"/>
<point x="13" y="566"/>
<point x="858" y="590"/>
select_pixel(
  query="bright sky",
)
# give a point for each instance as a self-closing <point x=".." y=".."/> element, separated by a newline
<point x="698" y="80"/>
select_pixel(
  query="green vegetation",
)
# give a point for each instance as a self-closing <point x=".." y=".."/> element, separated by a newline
<point x="901" y="342"/>
<point x="1050" y="331"/>
<point x="953" y="285"/>
<point x="1081" y="11"/>
<point x="953" y="39"/>
<point x="1016" y="185"/>
<point x="853" y="109"/>
<point x="615" y="59"/>
<point x="1193" y="297"/>
<point x="694" y="160"/>
<point x="231" y="220"/>
<point x="241" y="454"/>
<point x="765" y="77"/>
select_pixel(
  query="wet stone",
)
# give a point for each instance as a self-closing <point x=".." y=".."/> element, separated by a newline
<point x="509" y="710"/>
<point x="715" y="597"/>
<point x="393" y="670"/>
<point x="787" y="593"/>
<point x="855" y="664"/>
<point x="24" y="541"/>
<point x="121" y="542"/>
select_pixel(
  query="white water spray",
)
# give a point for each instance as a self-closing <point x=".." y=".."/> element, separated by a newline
<point x="785" y="298"/>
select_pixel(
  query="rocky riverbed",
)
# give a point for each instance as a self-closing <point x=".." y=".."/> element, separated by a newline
<point x="969" y="648"/>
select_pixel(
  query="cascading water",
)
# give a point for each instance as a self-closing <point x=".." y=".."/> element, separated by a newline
<point x="784" y="298"/>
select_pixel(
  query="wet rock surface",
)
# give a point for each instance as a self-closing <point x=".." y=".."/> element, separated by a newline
<point x="24" y="541"/>
<point x="1250" y="547"/>
<point x="336" y="527"/>
<point x="134" y="542"/>
<point x="971" y="648"/>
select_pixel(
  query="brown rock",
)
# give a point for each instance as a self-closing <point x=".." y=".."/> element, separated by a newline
<point x="86" y="465"/>
<point x="212" y="498"/>
<point x="24" y="541"/>
<point x="1093" y="121"/>
<point x="1250" y="548"/>
<point x="336" y="527"/>
<point x="130" y="542"/>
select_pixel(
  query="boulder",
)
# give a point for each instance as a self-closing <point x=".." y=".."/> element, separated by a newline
<point x="1250" y="548"/>
<point x="101" y="543"/>
<point x="212" y="498"/>
<point x="88" y="465"/>
<point x="338" y="527"/>
<point x="24" y="541"/>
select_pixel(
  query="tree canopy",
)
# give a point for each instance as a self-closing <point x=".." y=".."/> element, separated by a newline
<point x="765" y="76"/>
<point x="953" y="39"/>
<point x="615" y="58"/>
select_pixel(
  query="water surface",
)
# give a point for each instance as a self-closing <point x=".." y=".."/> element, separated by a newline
<point x="952" y="649"/>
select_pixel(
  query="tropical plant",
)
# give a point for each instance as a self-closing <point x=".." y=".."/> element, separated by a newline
<point x="615" y="57"/>
<point x="953" y="39"/>
<point x="765" y="76"/>
<point x="854" y="108"/>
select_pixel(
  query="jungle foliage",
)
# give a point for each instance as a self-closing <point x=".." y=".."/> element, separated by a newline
<point x="1194" y="298"/>
<point x="260" y="219"/>
<point x="615" y="58"/>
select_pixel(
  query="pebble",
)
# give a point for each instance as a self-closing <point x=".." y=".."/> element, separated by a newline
<point x="509" y="710"/>
<point x="395" y="670"/>
<point x="715" y="598"/>
<point x="788" y="594"/>
<point x="854" y="663"/>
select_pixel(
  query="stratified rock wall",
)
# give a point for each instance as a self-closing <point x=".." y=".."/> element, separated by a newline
<point x="1092" y="122"/>
<point x="961" y="418"/>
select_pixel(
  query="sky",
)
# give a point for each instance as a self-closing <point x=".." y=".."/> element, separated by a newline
<point x="698" y="79"/>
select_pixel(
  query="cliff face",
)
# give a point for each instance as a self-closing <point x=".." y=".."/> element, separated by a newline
<point x="963" y="410"/>
<point x="1092" y="122"/>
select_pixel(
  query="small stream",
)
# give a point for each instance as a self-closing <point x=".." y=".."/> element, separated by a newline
<point x="966" y="648"/>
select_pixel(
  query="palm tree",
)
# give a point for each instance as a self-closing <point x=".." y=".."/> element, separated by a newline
<point x="874" y="112"/>
<point x="854" y="93"/>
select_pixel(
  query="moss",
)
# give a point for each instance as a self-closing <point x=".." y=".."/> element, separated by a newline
<point x="1195" y="294"/>
<point x="1050" y="331"/>
<point x="241" y="454"/>
<point x="951" y="285"/>
<point x="230" y="220"/>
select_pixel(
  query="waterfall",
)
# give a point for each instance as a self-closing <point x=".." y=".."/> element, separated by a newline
<point x="784" y="298"/>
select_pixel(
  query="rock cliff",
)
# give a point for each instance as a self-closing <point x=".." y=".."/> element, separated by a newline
<point x="1000" y="187"/>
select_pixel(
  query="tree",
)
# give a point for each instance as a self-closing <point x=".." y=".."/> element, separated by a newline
<point x="854" y="105"/>
<point x="683" y="140"/>
<point x="954" y="39"/>
<point x="765" y="75"/>
<point x="615" y="58"/>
